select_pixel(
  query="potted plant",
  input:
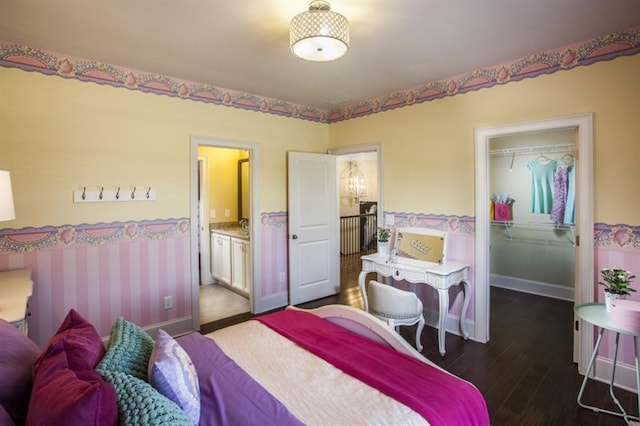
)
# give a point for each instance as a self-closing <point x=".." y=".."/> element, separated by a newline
<point x="617" y="284"/>
<point x="383" y="240"/>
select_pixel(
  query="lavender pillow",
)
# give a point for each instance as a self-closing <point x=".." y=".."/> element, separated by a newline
<point x="17" y="354"/>
<point x="173" y="374"/>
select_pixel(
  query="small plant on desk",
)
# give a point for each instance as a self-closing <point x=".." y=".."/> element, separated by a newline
<point x="384" y="234"/>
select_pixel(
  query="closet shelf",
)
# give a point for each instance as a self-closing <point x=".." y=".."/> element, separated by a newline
<point x="567" y="147"/>
<point x="535" y="225"/>
<point x="511" y="223"/>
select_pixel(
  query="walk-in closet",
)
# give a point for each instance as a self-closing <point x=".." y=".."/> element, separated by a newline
<point x="533" y="211"/>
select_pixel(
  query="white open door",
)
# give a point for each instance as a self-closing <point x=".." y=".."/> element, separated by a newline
<point x="314" y="251"/>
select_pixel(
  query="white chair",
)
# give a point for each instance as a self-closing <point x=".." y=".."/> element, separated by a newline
<point x="396" y="307"/>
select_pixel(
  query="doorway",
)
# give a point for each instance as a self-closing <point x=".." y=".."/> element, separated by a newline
<point x="361" y="212"/>
<point x="219" y="173"/>
<point x="583" y="124"/>
<point x="532" y="233"/>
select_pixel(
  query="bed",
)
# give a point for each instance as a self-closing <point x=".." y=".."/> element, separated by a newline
<point x="330" y="365"/>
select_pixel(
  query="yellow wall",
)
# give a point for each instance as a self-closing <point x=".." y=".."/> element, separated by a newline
<point x="59" y="135"/>
<point x="223" y="181"/>
<point x="429" y="148"/>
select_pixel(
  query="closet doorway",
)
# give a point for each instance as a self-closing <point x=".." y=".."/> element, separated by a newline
<point x="583" y="278"/>
<point x="532" y="212"/>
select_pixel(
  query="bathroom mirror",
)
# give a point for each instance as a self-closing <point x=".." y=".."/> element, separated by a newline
<point x="243" y="189"/>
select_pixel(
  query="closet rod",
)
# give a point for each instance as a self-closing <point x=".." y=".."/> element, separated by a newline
<point x="568" y="147"/>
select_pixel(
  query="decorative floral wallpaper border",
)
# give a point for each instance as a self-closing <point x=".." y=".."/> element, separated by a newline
<point x="457" y="224"/>
<point x="607" y="47"/>
<point x="274" y="219"/>
<point x="619" y="236"/>
<point x="37" y="239"/>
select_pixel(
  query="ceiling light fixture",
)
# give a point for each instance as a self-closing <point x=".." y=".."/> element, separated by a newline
<point x="319" y="34"/>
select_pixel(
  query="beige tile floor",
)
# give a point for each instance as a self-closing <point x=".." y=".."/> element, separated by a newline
<point x="216" y="302"/>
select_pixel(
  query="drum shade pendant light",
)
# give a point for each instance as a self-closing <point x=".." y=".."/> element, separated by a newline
<point x="319" y="34"/>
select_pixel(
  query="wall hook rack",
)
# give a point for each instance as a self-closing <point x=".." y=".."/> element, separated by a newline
<point x="102" y="195"/>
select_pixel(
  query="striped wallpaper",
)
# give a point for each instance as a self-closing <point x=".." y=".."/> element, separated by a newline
<point x="104" y="271"/>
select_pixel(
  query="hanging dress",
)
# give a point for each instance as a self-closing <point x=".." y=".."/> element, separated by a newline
<point x="542" y="185"/>
<point x="570" y="210"/>
<point x="560" y="188"/>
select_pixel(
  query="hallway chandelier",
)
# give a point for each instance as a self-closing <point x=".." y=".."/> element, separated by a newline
<point x="356" y="182"/>
<point x="319" y="35"/>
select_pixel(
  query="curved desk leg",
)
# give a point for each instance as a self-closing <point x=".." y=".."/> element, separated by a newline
<point x="465" y="306"/>
<point x="443" y="301"/>
<point x="363" y="289"/>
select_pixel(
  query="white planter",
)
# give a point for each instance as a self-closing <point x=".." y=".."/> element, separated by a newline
<point x="610" y="297"/>
<point x="383" y="248"/>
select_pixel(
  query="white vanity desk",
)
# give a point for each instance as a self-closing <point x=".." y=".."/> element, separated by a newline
<point x="439" y="276"/>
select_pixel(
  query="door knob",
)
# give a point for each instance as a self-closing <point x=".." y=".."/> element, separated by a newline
<point x="294" y="237"/>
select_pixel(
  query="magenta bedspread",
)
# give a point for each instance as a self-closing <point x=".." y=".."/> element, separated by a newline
<point x="442" y="399"/>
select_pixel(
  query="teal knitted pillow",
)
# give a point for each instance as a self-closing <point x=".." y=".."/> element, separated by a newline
<point x="139" y="404"/>
<point x="129" y="350"/>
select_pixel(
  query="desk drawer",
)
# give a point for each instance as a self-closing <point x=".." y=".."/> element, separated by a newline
<point x="397" y="274"/>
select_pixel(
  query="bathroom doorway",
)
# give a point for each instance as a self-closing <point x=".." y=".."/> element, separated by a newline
<point x="224" y="245"/>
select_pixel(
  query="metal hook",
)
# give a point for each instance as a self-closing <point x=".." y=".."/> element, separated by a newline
<point x="118" y="194"/>
<point x="84" y="192"/>
<point x="133" y="193"/>
<point x="148" y="192"/>
<point x="101" y="191"/>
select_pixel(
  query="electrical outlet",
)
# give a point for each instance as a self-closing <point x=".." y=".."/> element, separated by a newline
<point x="283" y="277"/>
<point x="212" y="213"/>
<point x="227" y="213"/>
<point x="168" y="302"/>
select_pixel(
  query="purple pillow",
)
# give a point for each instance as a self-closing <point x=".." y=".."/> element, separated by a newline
<point x="5" y="418"/>
<point x="17" y="354"/>
<point x="84" y="345"/>
<point x="63" y="395"/>
<point x="173" y="374"/>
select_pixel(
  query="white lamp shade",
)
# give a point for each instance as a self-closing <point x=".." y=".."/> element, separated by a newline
<point x="319" y="35"/>
<point x="7" y="211"/>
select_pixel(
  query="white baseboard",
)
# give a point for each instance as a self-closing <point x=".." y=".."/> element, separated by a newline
<point x="453" y="323"/>
<point x="625" y="374"/>
<point x="533" y="287"/>
<point x="175" y="327"/>
<point x="271" y="302"/>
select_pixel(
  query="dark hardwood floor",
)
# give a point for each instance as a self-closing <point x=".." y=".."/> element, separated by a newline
<point x="525" y="371"/>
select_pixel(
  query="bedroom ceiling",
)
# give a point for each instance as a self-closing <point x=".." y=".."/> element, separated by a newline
<point x="244" y="44"/>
